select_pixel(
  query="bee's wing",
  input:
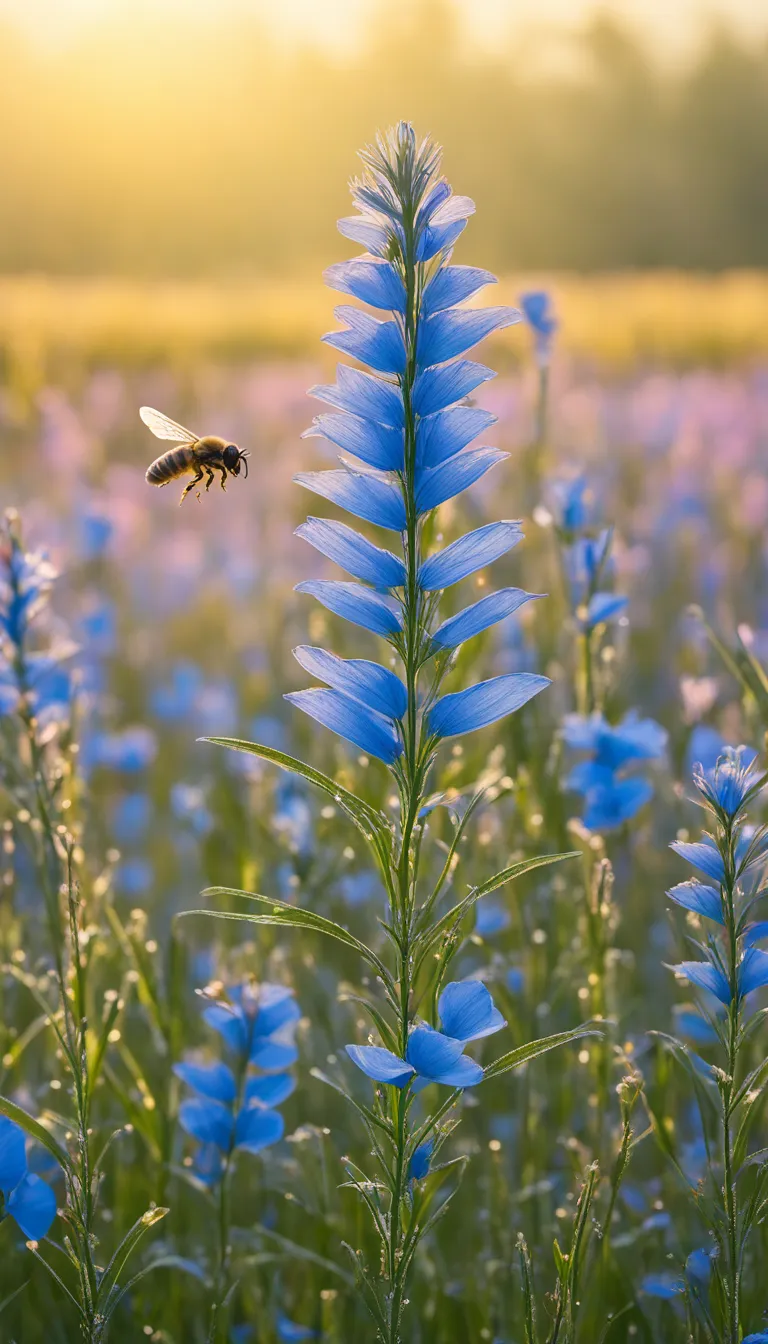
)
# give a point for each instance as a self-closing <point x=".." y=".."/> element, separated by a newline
<point x="164" y="428"/>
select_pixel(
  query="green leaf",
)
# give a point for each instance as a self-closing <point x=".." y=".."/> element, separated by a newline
<point x="363" y="815"/>
<point x="510" y="874"/>
<point x="514" y="1058"/>
<point x="108" y="1280"/>
<point x="291" y="916"/>
<point x="37" y="1131"/>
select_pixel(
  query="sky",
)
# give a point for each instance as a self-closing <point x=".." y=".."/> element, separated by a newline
<point x="673" y="27"/>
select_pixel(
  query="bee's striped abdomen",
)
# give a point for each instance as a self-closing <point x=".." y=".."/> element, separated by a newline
<point x="171" y="465"/>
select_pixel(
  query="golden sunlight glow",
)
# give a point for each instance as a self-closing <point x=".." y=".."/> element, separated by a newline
<point x="672" y="28"/>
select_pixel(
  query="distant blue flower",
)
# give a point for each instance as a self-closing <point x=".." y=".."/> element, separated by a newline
<point x="288" y="1332"/>
<point x="131" y="816"/>
<point x="134" y="877"/>
<point x="188" y="804"/>
<point x="226" y="1115"/>
<point x="538" y="312"/>
<point x="97" y="628"/>
<point x="129" y="751"/>
<point x="174" y="701"/>
<point x="491" y="917"/>
<point x="26" y="1198"/>
<point x="95" y="533"/>
<point x="588" y="565"/>
<point x="612" y="798"/>
<point x="569" y="504"/>
<point x="515" y="980"/>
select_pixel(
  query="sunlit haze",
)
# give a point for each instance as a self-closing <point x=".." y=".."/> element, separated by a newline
<point x="672" y="28"/>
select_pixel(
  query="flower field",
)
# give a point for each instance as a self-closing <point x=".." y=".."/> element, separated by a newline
<point x="496" y="996"/>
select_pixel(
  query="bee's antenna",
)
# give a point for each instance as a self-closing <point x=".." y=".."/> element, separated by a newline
<point x="244" y="457"/>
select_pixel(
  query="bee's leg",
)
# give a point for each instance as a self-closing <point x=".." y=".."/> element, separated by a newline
<point x="209" y="481"/>
<point x="223" y="471"/>
<point x="191" y="486"/>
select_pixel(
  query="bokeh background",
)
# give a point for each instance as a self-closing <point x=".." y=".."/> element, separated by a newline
<point x="170" y="176"/>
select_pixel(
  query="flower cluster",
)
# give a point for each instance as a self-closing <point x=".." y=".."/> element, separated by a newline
<point x="34" y="680"/>
<point x="27" y="1198"/>
<point x="409" y="425"/>
<point x="467" y="1013"/>
<point x="611" y="795"/>
<point x="234" y="1106"/>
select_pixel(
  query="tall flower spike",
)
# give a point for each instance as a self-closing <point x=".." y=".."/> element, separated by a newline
<point x="409" y="425"/>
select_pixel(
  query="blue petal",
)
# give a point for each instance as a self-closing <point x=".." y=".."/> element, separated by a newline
<point x="377" y="687"/>
<point x="445" y="433"/>
<point x="257" y="1128"/>
<point x="13" y="1155"/>
<point x="215" y="1080"/>
<point x="754" y="933"/>
<point x="419" y="1164"/>
<point x="380" y="1064"/>
<point x="273" y="1056"/>
<point x="277" y="1008"/>
<point x="33" y="1205"/>
<point x="372" y="733"/>
<point x="706" y="976"/>
<point x="434" y="389"/>
<point x="467" y="1011"/>
<point x="702" y="856"/>
<point x="373" y="282"/>
<point x="477" y="706"/>
<point x="368" y="232"/>
<point x="471" y="552"/>
<point x="604" y="607"/>
<point x="753" y="970"/>
<point x="356" y="604"/>
<point x="453" y="284"/>
<point x="367" y="496"/>
<point x="379" y="446"/>
<point x="665" y="1286"/>
<point x="434" y="487"/>
<point x="450" y="333"/>
<point x="613" y="804"/>
<point x="288" y="1332"/>
<point x="694" y="1026"/>
<point x="206" y="1121"/>
<point x="439" y="1059"/>
<point x="698" y="897"/>
<point x="472" y="620"/>
<point x="269" y="1090"/>
<point x="230" y="1024"/>
<point x="438" y="238"/>
<point x="378" y="344"/>
<point x="372" y="398"/>
<point x="353" y="552"/>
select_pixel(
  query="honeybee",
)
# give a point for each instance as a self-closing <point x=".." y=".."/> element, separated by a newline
<point x="199" y="456"/>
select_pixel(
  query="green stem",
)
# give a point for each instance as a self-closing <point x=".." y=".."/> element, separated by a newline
<point x="729" y="1185"/>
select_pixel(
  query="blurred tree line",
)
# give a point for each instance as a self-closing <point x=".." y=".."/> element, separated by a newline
<point x="149" y="148"/>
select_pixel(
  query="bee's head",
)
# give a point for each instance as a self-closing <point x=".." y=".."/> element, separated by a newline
<point x="233" y="456"/>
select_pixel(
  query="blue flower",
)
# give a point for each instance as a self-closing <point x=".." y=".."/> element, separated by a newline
<point x="611" y="798"/>
<point x="538" y="312"/>
<point x="131" y="816"/>
<point x="258" y="1021"/>
<point x="467" y="1013"/>
<point x="26" y="1198"/>
<point x="409" y="429"/>
<point x="731" y="783"/>
<point x="665" y="1286"/>
<point x="129" y="751"/>
<point x="288" y="1332"/>
<point x="232" y="1111"/>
